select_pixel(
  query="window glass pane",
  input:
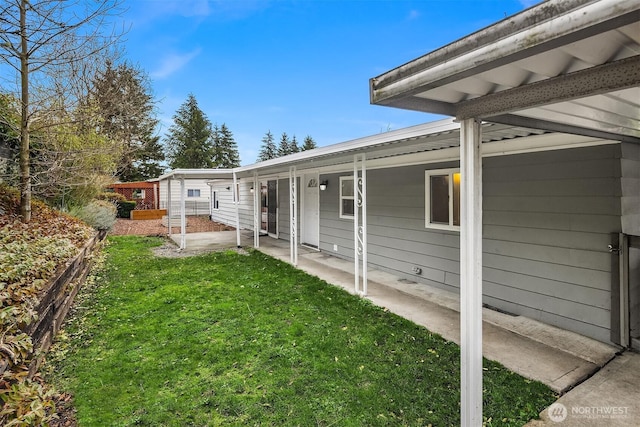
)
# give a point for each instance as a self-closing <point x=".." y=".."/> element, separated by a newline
<point x="439" y="199"/>
<point x="347" y="187"/>
<point x="456" y="198"/>
<point x="347" y="207"/>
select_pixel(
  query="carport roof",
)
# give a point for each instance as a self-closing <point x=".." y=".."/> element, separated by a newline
<point x="563" y="65"/>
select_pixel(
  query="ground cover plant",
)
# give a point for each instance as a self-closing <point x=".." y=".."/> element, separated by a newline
<point x="233" y="339"/>
<point x="30" y="255"/>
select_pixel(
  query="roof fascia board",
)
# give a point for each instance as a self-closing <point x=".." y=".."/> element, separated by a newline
<point x="546" y="30"/>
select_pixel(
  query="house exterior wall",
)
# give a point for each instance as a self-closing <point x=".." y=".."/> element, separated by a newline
<point x="630" y="165"/>
<point x="226" y="212"/>
<point x="548" y="218"/>
<point x="194" y="205"/>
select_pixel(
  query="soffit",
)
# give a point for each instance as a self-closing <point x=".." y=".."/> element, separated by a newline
<point x="584" y="79"/>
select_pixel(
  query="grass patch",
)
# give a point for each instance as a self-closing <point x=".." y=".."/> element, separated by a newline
<point x="230" y="339"/>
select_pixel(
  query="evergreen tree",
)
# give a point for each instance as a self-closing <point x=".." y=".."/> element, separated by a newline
<point x="122" y="96"/>
<point x="148" y="164"/>
<point x="308" y="144"/>
<point x="225" y="149"/>
<point x="268" y="149"/>
<point x="293" y="146"/>
<point x="190" y="139"/>
<point x="284" y="147"/>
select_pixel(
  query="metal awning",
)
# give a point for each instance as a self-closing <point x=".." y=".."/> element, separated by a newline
<point x="570" y="66"/>
<point x="564" y="65"/>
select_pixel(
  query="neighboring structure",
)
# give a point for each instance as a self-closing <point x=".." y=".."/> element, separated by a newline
<point x="144" y="193"/>
<point x="198" y="196"/>
<point x="535" y="212"/>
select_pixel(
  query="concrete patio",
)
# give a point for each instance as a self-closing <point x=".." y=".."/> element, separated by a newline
<point x="561" y="359"/>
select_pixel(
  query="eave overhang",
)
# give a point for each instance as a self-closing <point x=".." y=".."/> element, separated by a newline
<point x="564" y="65"/>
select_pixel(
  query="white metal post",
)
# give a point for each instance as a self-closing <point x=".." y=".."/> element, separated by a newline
<point x="183" y="218"/>
<point x="257" y="193"/>
<point x="293" y="215"/>
<point x="360" y="222"/>
<point x="169" y="206"/>
<point x="471" y="273"/>
<point x="236" y="198"/>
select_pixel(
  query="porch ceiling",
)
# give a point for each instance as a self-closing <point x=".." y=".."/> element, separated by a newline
<point x="564" y="65"/>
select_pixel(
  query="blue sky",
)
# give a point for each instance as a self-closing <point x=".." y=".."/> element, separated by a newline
<point x="301" y="67"/>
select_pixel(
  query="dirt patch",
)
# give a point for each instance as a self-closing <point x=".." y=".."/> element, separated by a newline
<point x="154" y="227"/>
<point x="171" y="250"/>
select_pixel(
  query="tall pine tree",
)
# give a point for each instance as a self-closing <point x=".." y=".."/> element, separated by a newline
<point x="189" y="141"/>
<point x="284" y="147"/>
<point x="268" y="149"/>
<point x="122" y="97"/>
<point x="308" y="144"/>
<point x="293" y="146"/>
<point x="225" y="149"/>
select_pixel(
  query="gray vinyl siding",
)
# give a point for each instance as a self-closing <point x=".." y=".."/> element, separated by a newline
<point x="226" y="212"/>
<point x="630" y="203"/>
<point x="548" y="218"/>
<point x="245" y="208"/>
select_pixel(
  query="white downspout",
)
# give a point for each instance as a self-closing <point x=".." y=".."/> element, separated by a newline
<point x="257" y="191"/>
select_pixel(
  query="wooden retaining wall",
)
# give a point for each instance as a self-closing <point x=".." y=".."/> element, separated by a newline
<point x="57" y="297"/>
<point x="148" y="214"/>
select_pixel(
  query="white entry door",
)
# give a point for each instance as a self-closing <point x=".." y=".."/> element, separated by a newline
<point x="310" y="215"/>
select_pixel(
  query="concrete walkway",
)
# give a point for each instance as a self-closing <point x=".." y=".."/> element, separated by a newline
<point x="558" y="358"/>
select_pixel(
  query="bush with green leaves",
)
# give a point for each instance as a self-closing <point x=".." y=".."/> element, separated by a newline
<point x="125" y="208"/>
<point x="99" y="214"/>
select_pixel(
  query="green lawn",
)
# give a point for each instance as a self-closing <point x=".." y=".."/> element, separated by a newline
<point x="231" y="339"/>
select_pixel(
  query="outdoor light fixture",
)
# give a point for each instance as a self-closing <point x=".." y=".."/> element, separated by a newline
<point x="251" y="189"/>
<point x="228" y="188"/>
<point x="323" y="185"/>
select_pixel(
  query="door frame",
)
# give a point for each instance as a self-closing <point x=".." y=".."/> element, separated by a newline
<point x="265" y="181"/>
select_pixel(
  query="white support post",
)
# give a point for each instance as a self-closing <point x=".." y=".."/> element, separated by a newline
<point x="155" y="195"/>
<point x="471" y="273"/>
<point x="360" y="222"/>
<point x="256" y="210"/>
<point x="236" y="198"/>
<point x="293" y="215"/>
<point x="183" y="218"/>
<point x="169" y="206"/>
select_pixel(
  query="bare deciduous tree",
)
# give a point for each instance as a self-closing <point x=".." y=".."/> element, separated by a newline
<point x="37" y="39"/>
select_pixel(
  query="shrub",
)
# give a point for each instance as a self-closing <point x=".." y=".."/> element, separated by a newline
<point x="111" y="196"/>
<point x="125" y="208"/>
<point x="99" y="214"/>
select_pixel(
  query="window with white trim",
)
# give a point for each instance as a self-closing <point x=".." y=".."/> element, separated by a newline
<point x="347" y="198"/>
<point x="191" y="192"/>
<point x="442" y="199"/>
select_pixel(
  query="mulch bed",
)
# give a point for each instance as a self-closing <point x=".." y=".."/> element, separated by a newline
<point x="154" y="227"/>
